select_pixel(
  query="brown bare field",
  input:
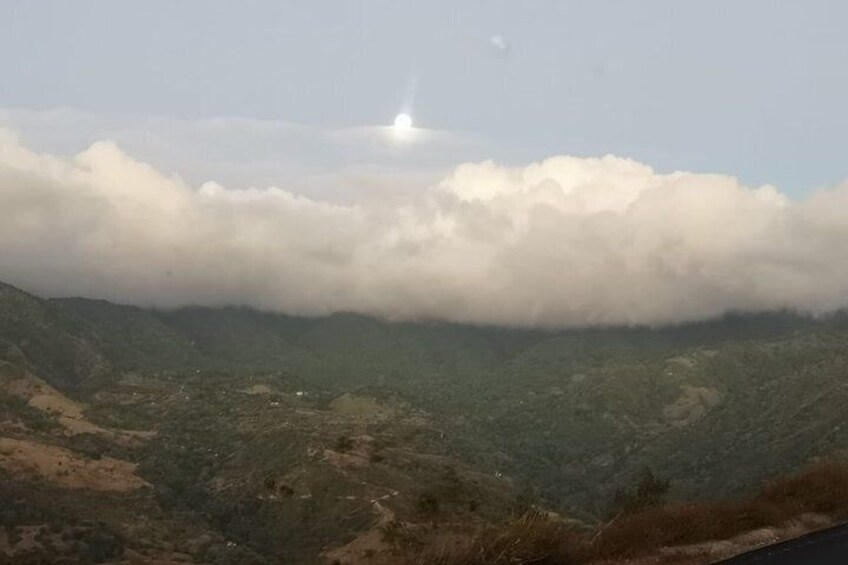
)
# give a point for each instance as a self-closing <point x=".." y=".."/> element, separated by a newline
<point x="64" y="468"/>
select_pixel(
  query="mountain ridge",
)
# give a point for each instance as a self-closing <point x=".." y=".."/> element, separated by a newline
<point x="568" y="416"/>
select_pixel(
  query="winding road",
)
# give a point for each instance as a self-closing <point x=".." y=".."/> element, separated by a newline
<point x="825" y="547"/>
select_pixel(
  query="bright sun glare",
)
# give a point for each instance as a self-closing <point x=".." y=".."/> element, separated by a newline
<point x="403" y="122"/>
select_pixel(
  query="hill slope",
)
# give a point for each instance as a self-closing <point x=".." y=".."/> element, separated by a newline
<point x="248" y="424"/>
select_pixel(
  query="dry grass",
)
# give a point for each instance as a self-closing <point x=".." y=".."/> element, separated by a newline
<point x="66" y="468"/>
<point x="533" y="538"/>
<point x="821" y="488"/>
<point x="538" y="539"/>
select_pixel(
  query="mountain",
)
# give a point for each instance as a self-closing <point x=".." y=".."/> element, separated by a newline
<point x="230" y="435"/>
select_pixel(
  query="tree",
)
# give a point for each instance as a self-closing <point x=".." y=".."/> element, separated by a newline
<point x="649" y="491"/>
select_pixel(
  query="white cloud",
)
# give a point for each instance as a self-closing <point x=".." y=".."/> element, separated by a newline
<point x="246" y="152"/>
<point x="566" y="241"/>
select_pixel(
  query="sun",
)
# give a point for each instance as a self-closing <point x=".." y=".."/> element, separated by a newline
<point x="403" y="122"/>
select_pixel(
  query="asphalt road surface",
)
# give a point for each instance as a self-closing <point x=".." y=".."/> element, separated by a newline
<point x="826" y="547"/>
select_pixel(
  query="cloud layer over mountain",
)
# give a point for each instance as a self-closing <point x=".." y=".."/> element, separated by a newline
<point x="567" y="241"/>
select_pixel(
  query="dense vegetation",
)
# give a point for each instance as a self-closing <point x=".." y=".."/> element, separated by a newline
<point x="458" y="419"/>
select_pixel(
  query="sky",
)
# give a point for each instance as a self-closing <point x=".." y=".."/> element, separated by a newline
<point x="754" y="89"/>
<point x="571" y="162"/>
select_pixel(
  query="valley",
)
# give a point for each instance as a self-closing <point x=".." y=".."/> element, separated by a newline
<point x="235" y="436"/>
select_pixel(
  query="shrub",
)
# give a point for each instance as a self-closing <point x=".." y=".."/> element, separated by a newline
<point x="821" y="488"/>
<point x="344" y="444"/>
<point x="427" y="505"/>
<point x="532" y="538"/>
<point x="650" y="491"/>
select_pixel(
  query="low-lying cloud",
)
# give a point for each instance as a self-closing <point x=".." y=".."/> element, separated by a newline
<point x="243" y="152"/>
<point x="563" y="242"/>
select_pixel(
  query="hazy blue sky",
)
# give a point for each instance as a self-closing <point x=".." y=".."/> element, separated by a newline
<point x="751" y="88"/>
<point x="205" y="152"/>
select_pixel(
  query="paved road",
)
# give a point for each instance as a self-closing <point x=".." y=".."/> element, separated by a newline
<point x="827" y="547"/>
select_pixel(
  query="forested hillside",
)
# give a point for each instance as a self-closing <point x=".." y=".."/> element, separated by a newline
<point x="244" y="435"/>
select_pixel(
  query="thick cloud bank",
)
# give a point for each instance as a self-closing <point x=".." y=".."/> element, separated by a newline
<point x="567" y="241"/>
